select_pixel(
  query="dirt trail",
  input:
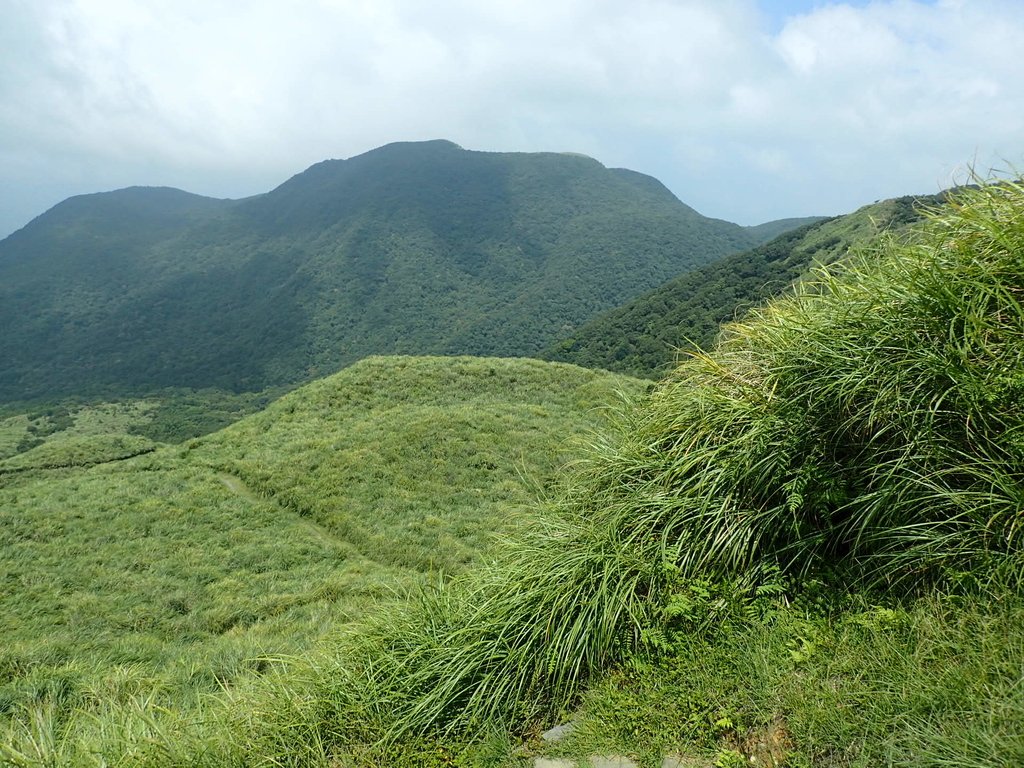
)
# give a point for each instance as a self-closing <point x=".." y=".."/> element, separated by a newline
<point x="238" y="487"/>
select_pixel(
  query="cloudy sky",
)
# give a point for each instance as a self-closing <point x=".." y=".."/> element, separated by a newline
<point x="748" y="110"/>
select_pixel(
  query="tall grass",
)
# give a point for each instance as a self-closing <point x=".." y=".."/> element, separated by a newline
<point x="867" y="426"/>
<point x="870" y="419"/>
<point x="869" y="423"/>
<point x="501" y="646"/>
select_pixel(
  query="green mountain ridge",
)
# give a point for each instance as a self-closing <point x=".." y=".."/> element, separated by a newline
<point x="769" y="230"/>
<point x="801" y="548"/>
<point x="412" y="248"/>
<point x="644" y="336"/>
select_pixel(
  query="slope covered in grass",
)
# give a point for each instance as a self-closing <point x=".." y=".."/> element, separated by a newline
<point x="416" y="460"/>
<point x="168" y="576"/>
<point x="840" y="453"/>
<point x="804" y="545"/>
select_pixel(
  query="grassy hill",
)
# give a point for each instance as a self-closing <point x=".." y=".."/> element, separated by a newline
<point x="802" y="548"/>
<point x="137" y="574"/>
<point x="643" y="337"/>
<point x="416" y="248"/>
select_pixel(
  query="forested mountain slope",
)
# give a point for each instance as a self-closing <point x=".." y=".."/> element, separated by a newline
<point x="643" y="336"/>
<point x="410" y="248"/>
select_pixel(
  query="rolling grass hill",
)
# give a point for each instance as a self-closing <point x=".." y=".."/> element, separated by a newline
<point x="801" y="548"/>
<point x="644" y="336"/>
<point x="138" y="573"/>
<point x="415" y="248"/>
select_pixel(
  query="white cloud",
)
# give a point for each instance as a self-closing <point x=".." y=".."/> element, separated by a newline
<point x="829" y="108"/>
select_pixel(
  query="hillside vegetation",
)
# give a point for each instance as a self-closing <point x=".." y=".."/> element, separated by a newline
<point x="812" y="530"/>
<point x="165" y="416"/>
<point x="801" y="548"/>
<point x="155" y="581"/>
<point x="645" y="336"/>
<point x="414" y="248"/>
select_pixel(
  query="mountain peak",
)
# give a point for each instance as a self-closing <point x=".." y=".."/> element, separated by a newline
<point x="411" y="248"/>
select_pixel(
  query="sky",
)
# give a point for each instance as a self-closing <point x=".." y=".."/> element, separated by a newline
<point x="747" y="110"/>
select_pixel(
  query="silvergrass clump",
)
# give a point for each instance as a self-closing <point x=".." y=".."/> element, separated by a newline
<point x="501" y="645"/>
<point x="870" y="422"/>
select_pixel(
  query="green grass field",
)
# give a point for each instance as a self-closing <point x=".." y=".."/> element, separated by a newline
<point x="179" y="572"/>
<point x="820" y="517"/>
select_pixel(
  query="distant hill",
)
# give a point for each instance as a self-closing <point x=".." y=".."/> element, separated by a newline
<point x="643" y="337"/>
<point x="772" y="229"/>
<point x="410" y="248"/>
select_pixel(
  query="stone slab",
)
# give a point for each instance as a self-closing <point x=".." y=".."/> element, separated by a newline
<point x="681" y="761"/>
<point x="614" y="761"/>
<point x="552" y="762"/>
<point x="556" y="734"/>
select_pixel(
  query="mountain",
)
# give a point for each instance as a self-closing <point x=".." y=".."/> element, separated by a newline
<point x="643" y="337"/>
<point x="772" y="229"/>
<point x="800" y="548"/>
<point x="421" y="248"/>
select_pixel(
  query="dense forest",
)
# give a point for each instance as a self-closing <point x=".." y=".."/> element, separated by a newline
<point x="645" y="336"/>
<point x="419" y="248"/>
